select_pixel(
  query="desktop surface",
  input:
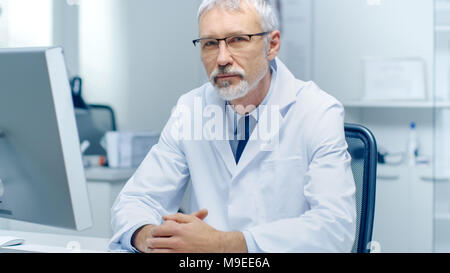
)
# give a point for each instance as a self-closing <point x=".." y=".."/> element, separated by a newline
<point x="52" y="243"/>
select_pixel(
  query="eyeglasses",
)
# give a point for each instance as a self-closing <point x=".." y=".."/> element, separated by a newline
<point x="234" y="43"/>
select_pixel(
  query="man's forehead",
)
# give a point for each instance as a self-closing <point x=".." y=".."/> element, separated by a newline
<point x="232" y="21"/>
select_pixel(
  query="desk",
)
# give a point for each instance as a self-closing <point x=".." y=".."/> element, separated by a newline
<point x="103" y="185"/>
<point x="52" y="243"/>
<point x="108" y="175"/>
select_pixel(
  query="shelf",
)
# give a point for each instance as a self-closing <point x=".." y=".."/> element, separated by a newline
<point x="396" y="104"/>
<point x="442" y="216"/>
<point x="435" y="178"/>
<point x="442" y="28"/>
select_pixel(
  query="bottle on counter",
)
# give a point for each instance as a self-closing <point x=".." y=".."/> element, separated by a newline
<point x="413" y="145"/>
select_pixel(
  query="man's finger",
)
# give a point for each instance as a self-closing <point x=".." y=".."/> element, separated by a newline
<point x="160" y="243"/>
<point x="161" y="251"/>
<point x="179" y="217"/>
<point x="165" y="230"/>
<point x="201" y="214"/>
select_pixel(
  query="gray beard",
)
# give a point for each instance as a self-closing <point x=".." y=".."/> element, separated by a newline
<point x="229" y="93"/>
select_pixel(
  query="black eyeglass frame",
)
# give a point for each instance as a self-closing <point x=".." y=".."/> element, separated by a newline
<point x="196" y="41"/>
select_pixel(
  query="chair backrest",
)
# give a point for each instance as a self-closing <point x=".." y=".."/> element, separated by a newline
<point x="93" y="122"/>
<point x="103" y="116"/>
<point x="363" y="150"/>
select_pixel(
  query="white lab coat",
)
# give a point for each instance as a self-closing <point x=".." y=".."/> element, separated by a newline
<point x="298" y="196"/>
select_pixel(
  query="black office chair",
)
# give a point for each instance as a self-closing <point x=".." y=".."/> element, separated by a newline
<point x="103" y="116"/>
<point x="93" y="123"/>
<point x="93" y="120"/>
<point x="363" y="149"/>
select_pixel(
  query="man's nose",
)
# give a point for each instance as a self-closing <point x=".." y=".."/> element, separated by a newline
<point x="224" y="55"/>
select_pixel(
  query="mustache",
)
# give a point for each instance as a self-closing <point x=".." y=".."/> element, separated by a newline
<point x="224" y="71"/>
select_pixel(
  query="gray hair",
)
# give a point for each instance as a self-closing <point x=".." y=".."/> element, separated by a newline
<point x="269" y="20"/>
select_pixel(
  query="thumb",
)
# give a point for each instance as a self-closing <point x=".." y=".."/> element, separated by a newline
<point x="201" y="214"/>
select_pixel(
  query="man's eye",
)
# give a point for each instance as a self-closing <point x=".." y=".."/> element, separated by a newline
<point x="238" y="39"/>
<point x="209" y="44"/>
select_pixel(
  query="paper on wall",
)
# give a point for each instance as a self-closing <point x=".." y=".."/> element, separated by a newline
<point x="394" y="79"/>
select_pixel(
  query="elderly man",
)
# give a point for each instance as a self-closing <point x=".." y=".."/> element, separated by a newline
<point x="289" y="190"/>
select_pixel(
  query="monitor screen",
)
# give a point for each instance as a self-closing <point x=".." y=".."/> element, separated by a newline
<point x="41" y="171"/>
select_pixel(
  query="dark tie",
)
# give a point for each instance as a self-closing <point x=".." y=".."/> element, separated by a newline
<point x="243" y="142"/>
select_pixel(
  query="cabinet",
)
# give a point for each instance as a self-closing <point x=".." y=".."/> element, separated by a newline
<point x="405" y="195"/>
<point x="404" y="209"/>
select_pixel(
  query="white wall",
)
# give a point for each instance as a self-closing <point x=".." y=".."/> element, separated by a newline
<point x="36" y="23"/>
<point x="26" y="23"/>
<point x="103" y="54"/>
<point x="345" y="31"/>
<point x="138" y="57"/>
<point x="66" y="33"/>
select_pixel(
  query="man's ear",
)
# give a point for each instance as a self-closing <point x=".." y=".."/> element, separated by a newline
<point x="274" y="45"/>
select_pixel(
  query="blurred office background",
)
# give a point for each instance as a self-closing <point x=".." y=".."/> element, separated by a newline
<point x="137" y="57"/>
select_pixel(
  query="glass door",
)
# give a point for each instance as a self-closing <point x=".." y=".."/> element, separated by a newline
<point x="377" y="58"/>
<point x="441" y="172"/>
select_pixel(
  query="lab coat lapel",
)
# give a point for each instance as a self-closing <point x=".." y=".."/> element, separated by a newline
<point x="222" y="146"/>
<point x="259" y="143"/>
<point x="283" y="95"/>
<point x="224" y="150"/>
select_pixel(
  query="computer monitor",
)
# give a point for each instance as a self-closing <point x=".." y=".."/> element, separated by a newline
<point x="41" y="171"/>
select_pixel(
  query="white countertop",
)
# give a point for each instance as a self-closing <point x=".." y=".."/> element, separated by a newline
<point x="53" y="243"/>
<point x="108" y="174"/>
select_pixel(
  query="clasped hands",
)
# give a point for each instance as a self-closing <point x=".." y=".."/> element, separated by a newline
<point x="181" y="233"/>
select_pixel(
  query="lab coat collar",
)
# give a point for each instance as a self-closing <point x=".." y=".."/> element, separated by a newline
<point x="285" y="91"/>
<point x="286" y="87"/>
<point x="284" y="81"/>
